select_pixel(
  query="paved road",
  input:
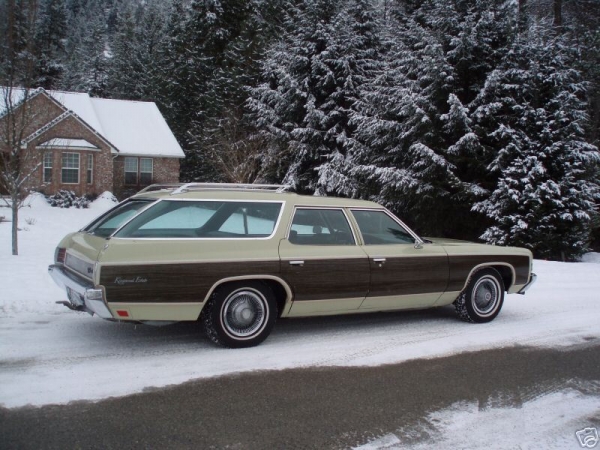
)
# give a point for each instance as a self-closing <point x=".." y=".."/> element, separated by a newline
<point x="313" y="408"/>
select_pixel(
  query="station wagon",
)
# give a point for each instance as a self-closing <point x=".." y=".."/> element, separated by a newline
<point x="236" y="258"/>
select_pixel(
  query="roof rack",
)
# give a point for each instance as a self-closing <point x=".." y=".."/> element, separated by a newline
<point x="158" y="187"/>
<point x="187" y="187"/>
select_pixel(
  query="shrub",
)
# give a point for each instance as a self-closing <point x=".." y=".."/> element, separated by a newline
<point x="66" y="199"/>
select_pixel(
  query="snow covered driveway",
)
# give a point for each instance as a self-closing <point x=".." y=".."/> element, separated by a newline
<point x="49" y="354"/>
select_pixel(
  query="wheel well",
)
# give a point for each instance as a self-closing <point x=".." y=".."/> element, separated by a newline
<point x="506" y="274"/>
<point x="277" y="287"/>
<point x="280" y="294"/>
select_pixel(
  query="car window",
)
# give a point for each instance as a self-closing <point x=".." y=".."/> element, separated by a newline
<point x="254" y="219"/>
<point x="204" y="219"/>
<point x="179" y="215"/>
<point x="378" y="228"/>
<point x="320" y="227"/>
<point x="112" y="220"/>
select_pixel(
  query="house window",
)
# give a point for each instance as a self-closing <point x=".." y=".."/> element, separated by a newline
<point x="146" y="167"/>
<point x="90" y="169"/>
<point x="138" y="170"/>
<point x="70" y="168"/>
<point x="48" y="167"/>
<point x="131" y="170"/>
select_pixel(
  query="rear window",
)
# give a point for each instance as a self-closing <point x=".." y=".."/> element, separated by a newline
<point x="108" y="223"/>
<point x="204" y="219"/>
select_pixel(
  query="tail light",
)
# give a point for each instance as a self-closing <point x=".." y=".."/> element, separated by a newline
<point x="59" y="255"/>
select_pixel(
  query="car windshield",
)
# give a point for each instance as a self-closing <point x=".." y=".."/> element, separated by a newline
<point x="204" y="219"/>
<point x="108" y="223"/>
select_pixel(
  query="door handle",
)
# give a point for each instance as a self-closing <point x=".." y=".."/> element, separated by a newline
<point x="379" y="261"/>
<point x="297" y="263"/>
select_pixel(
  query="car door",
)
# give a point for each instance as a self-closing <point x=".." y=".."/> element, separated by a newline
<point x="405" y="273"/>
<point x="322" y="262"/>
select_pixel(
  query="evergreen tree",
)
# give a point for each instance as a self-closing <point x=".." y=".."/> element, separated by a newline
<point x="51" y="31"/>
<point x="139" y="34"/>
<point x="398" y="153"/>
<point x="17" y="47"/>
<point x="175" y="95"/>
<point x="87" y="51"/>
<point x="312" y="79"/>
<point x="533" y="111"/>
<point x="214" y="57"/>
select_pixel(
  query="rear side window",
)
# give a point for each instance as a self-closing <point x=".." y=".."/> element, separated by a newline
<point x="320" y="227"/>
<point x="204" y="219"/>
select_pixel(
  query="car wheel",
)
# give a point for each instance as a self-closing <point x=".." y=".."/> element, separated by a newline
<point x="240" y="314"/>
<point x="483" y="297"/>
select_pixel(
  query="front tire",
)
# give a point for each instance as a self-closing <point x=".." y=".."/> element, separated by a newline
<point x="240" y="314"/>
<point x="482" y="299"/>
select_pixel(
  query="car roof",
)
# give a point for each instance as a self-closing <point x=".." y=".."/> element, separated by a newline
<point x="231" y="192"/>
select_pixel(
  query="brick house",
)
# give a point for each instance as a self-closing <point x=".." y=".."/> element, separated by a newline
<point x="91" y="145"/>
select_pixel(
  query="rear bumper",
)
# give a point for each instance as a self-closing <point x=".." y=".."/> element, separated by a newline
<point x="82" y="295"/>
<point x="528" y="285"/>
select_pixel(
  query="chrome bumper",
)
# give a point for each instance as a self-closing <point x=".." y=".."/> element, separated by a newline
<point x="528" y="285"/>
<point x="83" y="296"/>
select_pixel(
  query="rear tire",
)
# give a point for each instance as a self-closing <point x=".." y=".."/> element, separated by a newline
<point x="482" y="299"/>
<point x="240" y="314"/>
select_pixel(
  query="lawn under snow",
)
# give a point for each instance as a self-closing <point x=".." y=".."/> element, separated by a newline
<point x="49" y="354"/>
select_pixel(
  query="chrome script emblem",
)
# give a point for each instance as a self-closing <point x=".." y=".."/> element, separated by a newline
<point x="123" y="281"/>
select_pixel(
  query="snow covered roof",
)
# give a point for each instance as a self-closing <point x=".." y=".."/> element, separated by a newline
<point x="133" y="128"/>
<point x="136" y="128"/>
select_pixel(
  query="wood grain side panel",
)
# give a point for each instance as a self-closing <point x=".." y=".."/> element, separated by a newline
<point x="177" y="283"/>
<point x="328" y="279"/>
<point x="409" y="275"/>
<point x="461" y="266"/>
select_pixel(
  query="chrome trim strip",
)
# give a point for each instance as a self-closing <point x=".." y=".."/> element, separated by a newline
<point x="180" y="262"/>
<point x="322" y="258"/>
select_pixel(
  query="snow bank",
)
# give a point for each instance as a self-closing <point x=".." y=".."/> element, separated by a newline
<point x="591" y="258"/>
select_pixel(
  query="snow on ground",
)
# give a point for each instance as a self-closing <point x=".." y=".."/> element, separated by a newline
<point x="591" y="258"/>
<point x="24" y="283"/>
<point x="546" y="422"/>
<point x="49" y="354"/>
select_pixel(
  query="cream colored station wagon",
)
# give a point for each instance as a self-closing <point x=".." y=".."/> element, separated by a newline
<point x="238" y="257"/>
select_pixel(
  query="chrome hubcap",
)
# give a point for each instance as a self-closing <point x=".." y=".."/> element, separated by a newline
<point x="486" y="295"/>
<point x="244" y="313"/>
